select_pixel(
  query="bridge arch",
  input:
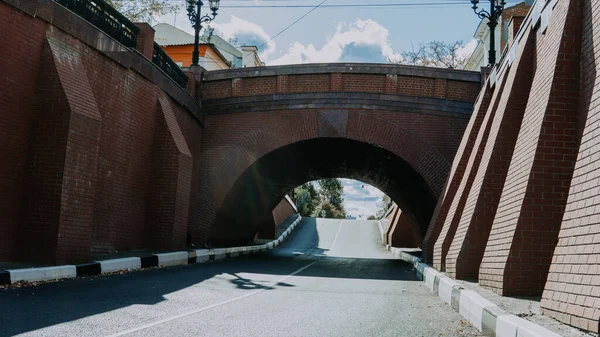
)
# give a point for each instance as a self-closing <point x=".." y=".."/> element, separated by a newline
<point x="413" y="116"/>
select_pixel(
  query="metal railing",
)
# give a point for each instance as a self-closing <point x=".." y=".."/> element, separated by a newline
<point x="164" y="62"/>
<point x="117" y="26"/>
<point x="106" y="18"/>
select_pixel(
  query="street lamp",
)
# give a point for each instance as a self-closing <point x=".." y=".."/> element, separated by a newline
<point x="496" y="8"/>
<point x="193" y="9"/>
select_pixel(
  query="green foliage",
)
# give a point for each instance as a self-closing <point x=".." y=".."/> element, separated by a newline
<point x="332" y="191"/>
<point x="372" y="217"/>
<point x="331" y="212"/>
<point x="143" y="10"/>
<point x="307" y="199"/>
<point x="329" y="198"/>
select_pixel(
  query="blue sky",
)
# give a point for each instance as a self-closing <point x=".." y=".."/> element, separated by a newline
<point x="352" y="34"/>
<point x="341" y="34"/>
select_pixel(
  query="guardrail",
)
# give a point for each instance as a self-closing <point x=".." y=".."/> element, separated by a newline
<point x="106" y="18"/>
<point x="164" y="62"/>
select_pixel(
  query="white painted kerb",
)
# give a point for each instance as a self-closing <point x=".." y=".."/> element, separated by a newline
<point x="42" y="274"/>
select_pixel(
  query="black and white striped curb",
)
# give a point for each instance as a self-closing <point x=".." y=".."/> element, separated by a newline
<point x="484" y="315"/>
<point x="132" y="263"/>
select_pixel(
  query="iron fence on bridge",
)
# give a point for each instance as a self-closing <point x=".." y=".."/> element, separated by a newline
<point x="106" y="18"/>
<point x="117" y="26"/>
<point x="164" y="62"/>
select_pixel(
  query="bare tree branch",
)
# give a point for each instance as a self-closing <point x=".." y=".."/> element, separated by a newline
<point x="143" y="10"/>
<point x="435" y="54"/>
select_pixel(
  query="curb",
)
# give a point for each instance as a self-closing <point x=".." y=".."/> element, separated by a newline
<point x="484" y="315"/>
<point x="180" y="258"/>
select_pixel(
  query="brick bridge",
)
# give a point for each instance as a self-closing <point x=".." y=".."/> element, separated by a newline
<point x="108" y="152"/>
<point x="271" y="129"/>
<point x="104" y="149"/>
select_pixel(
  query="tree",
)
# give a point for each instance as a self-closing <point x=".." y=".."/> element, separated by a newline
<point x="383" y="205"/>
<point x="329" y="198"/>
<point x="332" y="192"/>
<point x="307" y="199"/>
<point x="435" y="54"/>
<point x="143" y="10"/>
<point x="331" y="211"/>
<point x="372" y="217"/>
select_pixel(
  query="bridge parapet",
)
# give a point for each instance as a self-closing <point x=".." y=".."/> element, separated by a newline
<point x="412" y="81"/>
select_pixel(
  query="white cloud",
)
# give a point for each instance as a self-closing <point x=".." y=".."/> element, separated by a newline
<point x="360" y="41"/>
<point x="468" y="49"/>
<point x="247" y="34"/>
<point x="360" y="199"/>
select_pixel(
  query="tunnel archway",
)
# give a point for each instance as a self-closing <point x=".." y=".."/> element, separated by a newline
<point x="262" y="185"/>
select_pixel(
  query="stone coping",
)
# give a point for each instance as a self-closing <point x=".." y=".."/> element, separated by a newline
<point x="351" y="68"/>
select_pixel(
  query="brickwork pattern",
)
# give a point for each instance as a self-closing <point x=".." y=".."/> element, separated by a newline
<point x="405" y="233"/>
<point x="16" y="105"/>
<point x="364" y="83"/>
<point x="309" y="83"/>
<point x="466" y="251"/>
<point x="259" y="133"/>
<point x="461" y="91"/>
<point x="572" y="292"/>
<point x="455" y="211"/>
<point x="85" y="160"/>
<point x="416" y="86"/>
<point x="525" y="229"/>
<point x="456" y="174"/>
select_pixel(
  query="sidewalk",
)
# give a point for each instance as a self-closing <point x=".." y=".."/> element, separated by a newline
<point x="509" y="316"/>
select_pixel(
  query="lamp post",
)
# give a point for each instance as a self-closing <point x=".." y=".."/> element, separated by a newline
<point x="496" y="8"/>
<point x="193" y="9"/>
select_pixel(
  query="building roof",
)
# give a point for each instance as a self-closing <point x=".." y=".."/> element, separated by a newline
<point x="169" y="35"/>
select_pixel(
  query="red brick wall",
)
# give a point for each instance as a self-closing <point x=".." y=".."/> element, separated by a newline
<point x="308" y="83"/>
<point x="283" y="211"/>
<point x="365" y="83"/>
<point x="16" y="105"/>
<point x="456" y="174"/>
<point x="392" y="220"/>
<point x="458" y="203"/>
<point x="216" y="89"/>
<point x="519" y="10"/>
<point x="416" y="86"/>
<point x="461" y="91"/>
<point x="405" y="233"/>
<point x="245" y="137"/>
<point x="86" y="145"/>
<point x="525" y="229"/>
<point x="255" y="86"/>
<point x="466" y="251"/>
<point x="573" y="285"/>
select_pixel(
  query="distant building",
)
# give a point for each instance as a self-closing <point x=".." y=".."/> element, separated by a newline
<point x="509" y="24"/>
<point x="215" y="52"/>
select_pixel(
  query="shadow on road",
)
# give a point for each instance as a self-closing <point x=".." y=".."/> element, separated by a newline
<point x="32" y="308"/>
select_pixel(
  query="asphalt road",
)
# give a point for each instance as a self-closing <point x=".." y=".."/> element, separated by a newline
<point x="330" y="278"/>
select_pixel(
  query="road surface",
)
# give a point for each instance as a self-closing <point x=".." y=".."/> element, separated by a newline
<point x="330" y="278"/>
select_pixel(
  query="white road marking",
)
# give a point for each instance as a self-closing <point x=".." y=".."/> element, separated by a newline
<point x="337" y="235"/>
<point x="189" y="313"/>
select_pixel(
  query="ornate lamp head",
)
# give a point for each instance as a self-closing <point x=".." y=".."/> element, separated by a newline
<point x="214" y="6"/>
